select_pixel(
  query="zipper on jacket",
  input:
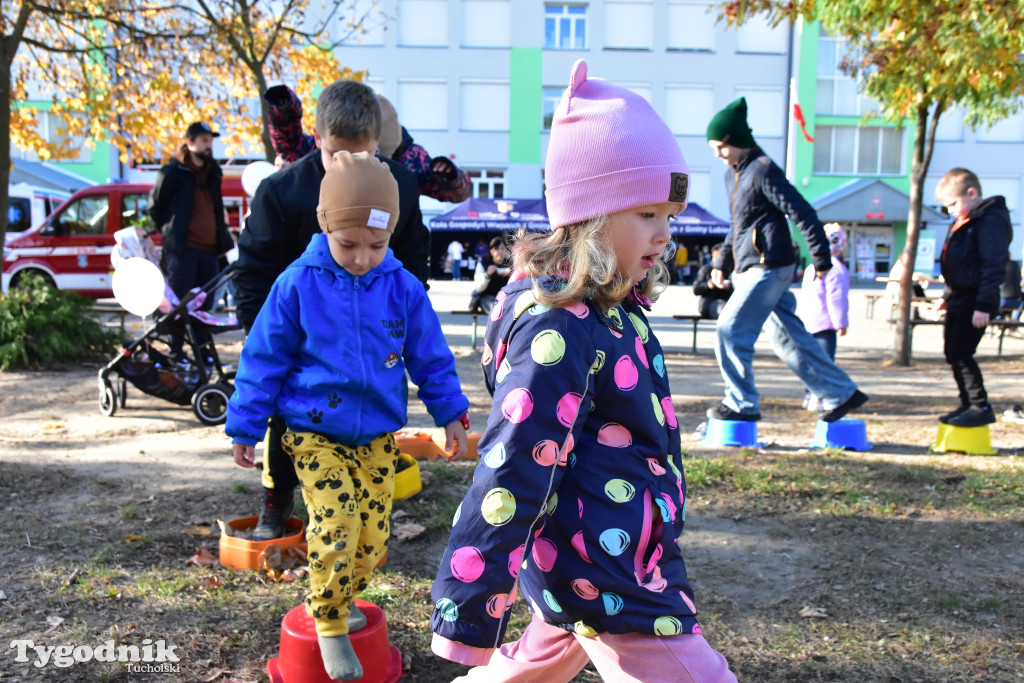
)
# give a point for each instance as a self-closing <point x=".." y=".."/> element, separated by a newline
<point x="732" y="203"/>
<point x="359" y="351"/>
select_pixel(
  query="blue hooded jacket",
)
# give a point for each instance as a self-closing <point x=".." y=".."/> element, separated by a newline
<point x="329" y="352"/>
<point x="579" y="491"/>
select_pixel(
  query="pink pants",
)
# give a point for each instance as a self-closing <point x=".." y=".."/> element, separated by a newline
<point x="546" y="654"/>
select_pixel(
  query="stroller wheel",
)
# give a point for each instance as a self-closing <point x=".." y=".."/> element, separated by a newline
<point x="210" y="403"/>
<point x="108" y="399"/>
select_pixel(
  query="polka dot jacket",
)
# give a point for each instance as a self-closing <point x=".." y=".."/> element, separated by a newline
<point x="579" y="491"/>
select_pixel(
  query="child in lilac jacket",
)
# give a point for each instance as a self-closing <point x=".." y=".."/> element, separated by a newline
<point x="825" y="302"/>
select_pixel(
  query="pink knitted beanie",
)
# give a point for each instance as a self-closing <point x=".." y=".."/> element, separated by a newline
<point x="609" y="151"/>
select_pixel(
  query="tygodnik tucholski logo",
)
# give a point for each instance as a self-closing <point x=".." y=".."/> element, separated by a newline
<point x="152" y="656"/>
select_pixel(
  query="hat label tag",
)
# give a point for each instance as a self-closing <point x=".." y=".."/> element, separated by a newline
<point x="378" y="219"/>
<point x="678" y="189"/>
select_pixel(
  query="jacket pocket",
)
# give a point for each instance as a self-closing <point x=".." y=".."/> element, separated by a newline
<point x="649" y="549"/>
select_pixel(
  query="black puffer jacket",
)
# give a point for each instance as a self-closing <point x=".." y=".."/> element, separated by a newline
<point x="974" y="258"/>
<point x="760" y="199"/>
<point x="282" y="220"/>
<point x="170" y="204"/>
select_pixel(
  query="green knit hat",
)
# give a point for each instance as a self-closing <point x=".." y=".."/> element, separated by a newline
<point x="730" y="125"/>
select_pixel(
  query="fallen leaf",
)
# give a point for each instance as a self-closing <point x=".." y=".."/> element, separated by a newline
<point x="201" y="529"/>
<point x="212" y="676"/>
<point x="212" y="581"/>
<point x="54" y="621"/>
<point x="808" y="612"/>
<point x="404" y="532"/>
<point x="132" y="537"/>
<point x="203" y="558"/>
<point x="399" y="514"/>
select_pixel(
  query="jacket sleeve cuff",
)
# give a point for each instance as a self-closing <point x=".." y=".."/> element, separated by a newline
<point x="459" y="653"/>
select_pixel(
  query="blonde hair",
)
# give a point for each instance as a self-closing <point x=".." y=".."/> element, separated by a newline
<point x="582" y="254"/>
<point x="955" y="184"/>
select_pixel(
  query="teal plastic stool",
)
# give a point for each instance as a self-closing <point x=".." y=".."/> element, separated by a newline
<point x="968" y="440"/>
<point x="730" y="433"/>
<point x="846" y="432"/>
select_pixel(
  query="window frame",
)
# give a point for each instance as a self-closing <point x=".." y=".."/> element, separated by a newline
<point x="574" y="18"/>
<point x="829" y="129"/>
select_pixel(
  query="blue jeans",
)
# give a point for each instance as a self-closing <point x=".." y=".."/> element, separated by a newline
<point x="759" y="294"/>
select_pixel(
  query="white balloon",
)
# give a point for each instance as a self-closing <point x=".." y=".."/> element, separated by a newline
<point x="254" y="174"/>
<point x="138" y="286"/>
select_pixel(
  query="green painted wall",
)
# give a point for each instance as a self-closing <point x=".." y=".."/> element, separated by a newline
<point x="99" y="168"/>
<point x="525" y="105"/>
<point x="816" y="185"/>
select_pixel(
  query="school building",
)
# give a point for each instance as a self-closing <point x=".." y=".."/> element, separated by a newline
<point x="479" y="80"/>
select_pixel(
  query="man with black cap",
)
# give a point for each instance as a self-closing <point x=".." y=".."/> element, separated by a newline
<point x="187" y="207"/>
<point x="759" y="253"/>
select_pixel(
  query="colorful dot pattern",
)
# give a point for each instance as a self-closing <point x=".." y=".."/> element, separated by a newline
<point x="581" y="454"/>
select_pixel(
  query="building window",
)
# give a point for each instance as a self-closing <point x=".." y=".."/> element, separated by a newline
<point x="852" y="150"/>
<point x="487" y="184"/>
<point x="485" y="105"/>
<point x="552" y="96"/>
<point x="53" y="129"/>
<point x="422" y="104"/>
<point x="691" y="26"/>
<point x="363" y="24"/>
<point x="565" y="27"/>
<point x="423" y="23"/>
<point x="486" y="23"/>
<point x="837" y="93"/>
<point x="757" y="35"/>
<point x="629" y="24"/>
<point x="688" y="108"/>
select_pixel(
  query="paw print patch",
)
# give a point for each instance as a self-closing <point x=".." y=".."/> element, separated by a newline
<point x="333" y="400"/>
<point x="316" y="416"/>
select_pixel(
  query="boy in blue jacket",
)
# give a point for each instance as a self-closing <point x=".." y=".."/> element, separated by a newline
<point x="329" y="352"/>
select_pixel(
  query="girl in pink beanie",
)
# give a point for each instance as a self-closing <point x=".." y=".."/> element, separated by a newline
<point x="579" y="497"/>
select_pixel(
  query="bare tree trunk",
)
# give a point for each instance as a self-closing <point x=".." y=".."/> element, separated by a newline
<point x="5" y="134"/>
<point x="261" y="87"/>
<point x="924" y="144"/>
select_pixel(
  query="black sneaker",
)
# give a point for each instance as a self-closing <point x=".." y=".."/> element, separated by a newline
<point x="949" y="416"/>
<point x="724" y="412"/>
<point x="974" y="416"/>
<point x="278" y="507"/>
<point x="858" y="399"/>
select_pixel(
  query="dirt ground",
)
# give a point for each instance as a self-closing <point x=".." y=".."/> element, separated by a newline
<point x="113" y="500"/>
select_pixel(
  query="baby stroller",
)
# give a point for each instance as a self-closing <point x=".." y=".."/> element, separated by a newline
<point x="196" y="377"/>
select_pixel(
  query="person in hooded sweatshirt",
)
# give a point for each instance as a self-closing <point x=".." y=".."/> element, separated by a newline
<point x="973" y="264"/>
<point x="329" y="352"/>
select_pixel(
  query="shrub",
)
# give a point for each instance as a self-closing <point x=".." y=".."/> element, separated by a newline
<point x="41" y="325"/>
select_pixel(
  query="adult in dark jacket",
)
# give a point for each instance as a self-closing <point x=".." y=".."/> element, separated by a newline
<point x="973" y="263"/>
<point x="187" y="207"/>
<point x="712" y="296"/>
<point x="759" y="252"/>
<point x="282" y="222"/>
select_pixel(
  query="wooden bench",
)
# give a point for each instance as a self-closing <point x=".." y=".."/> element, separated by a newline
<point x="997" y="327"/>
<point x="695" y="319"/>
<point x="110" y="309"/>
<point x="474" y="314"/>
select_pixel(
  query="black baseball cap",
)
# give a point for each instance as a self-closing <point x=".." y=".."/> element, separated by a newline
<point x="198" y="128"/>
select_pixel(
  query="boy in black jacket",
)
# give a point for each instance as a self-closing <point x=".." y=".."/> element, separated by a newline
<point x="973" y="264"/>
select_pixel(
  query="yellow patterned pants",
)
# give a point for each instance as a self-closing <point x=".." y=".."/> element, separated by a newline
<point x="348" y="492"/>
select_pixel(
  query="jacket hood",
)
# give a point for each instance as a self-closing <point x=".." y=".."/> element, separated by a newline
<point x="318" y="255"/>
<point x="996" y="204"/>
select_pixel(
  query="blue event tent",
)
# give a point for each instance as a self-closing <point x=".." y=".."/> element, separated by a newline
<point x="508" y="215"/>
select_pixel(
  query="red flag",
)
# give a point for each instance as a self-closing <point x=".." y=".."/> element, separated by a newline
<point x="798" y="114"/>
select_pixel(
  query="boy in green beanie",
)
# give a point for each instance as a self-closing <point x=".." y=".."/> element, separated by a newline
<point x="759" y="253"/>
